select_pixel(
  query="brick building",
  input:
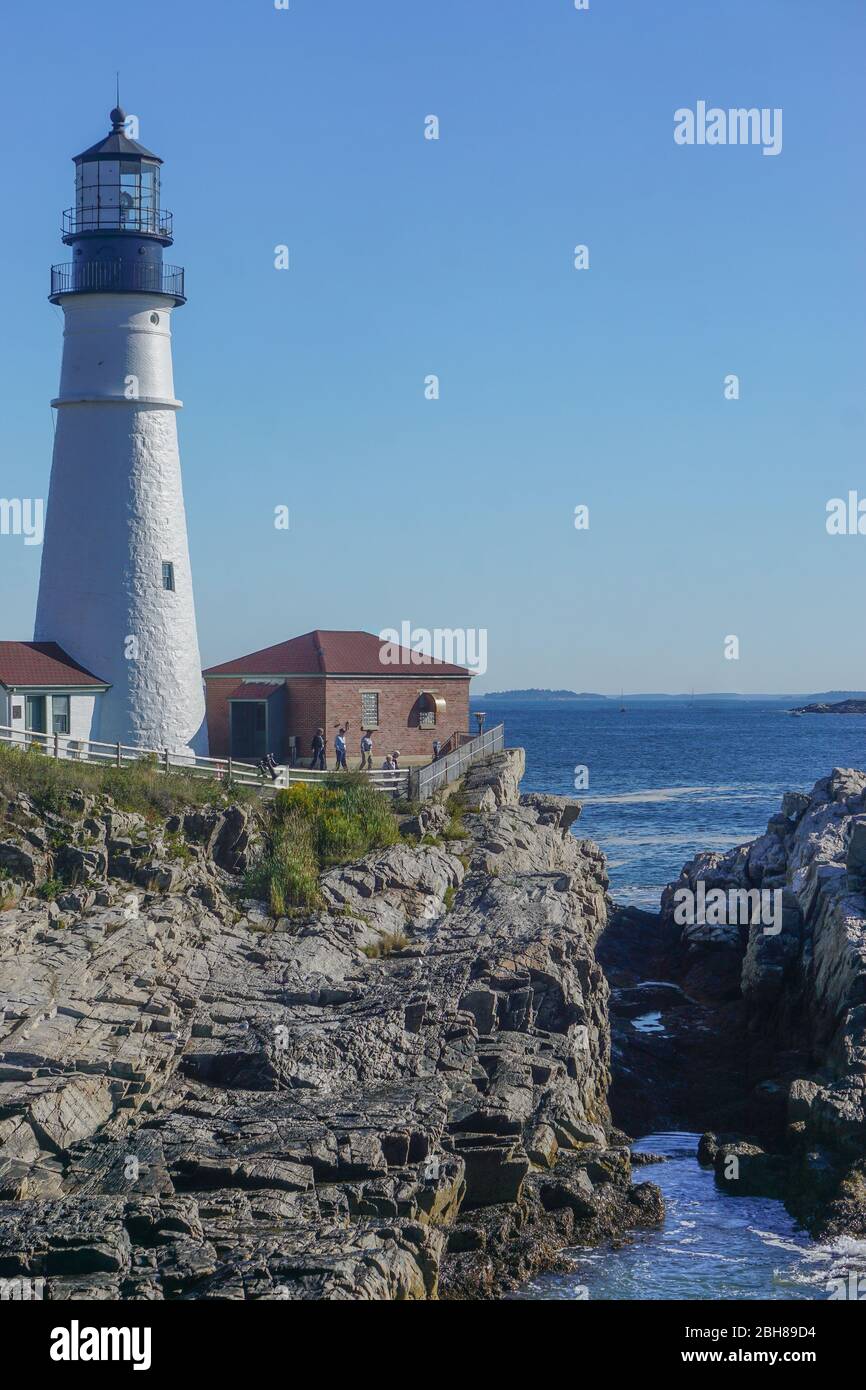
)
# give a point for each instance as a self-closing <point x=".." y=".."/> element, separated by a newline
<point x="262" y="702"/>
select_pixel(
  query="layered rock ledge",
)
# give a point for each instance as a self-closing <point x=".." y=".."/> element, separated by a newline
<point x="793" y="993"/>
<point x="403" y="1095"/>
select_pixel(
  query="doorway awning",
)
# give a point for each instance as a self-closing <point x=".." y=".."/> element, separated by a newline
<point x="432" y="701"/>
<point x="255" y="690"/>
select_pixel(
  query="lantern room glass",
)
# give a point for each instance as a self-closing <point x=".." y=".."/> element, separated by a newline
<point x="119" y="194"/>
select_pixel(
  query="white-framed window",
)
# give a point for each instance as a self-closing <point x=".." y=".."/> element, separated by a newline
<point x="168" y="575"/>
<point x="427" y="719"/>
<point x="369" y="709"/>
<point x="60" y="714"/>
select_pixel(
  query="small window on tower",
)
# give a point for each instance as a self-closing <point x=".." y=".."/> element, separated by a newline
<point x="168" y="575"/>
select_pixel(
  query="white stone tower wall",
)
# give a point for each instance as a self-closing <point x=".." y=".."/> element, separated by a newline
<point x="115" y="513"/>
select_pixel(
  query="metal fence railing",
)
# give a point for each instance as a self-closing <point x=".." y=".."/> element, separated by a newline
<point x="424" y="781"/>
<point x="137" y="218"/>
<point x="117" y="276"/>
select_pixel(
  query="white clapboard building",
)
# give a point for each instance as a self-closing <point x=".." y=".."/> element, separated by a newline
<point x="43" y="691"/>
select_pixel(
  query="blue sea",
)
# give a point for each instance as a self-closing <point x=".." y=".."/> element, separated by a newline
<point x="666" y="779"/>
<point x="713" y="1246"/>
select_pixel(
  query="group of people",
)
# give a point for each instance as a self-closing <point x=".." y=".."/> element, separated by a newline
<point x="269" y="767"/>
<point x="319" y="744"/>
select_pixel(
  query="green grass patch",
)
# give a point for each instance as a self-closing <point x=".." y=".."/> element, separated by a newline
<point x="455" y="806"/>
<point x="51" y="889"/>
<point x="176" y="847"/>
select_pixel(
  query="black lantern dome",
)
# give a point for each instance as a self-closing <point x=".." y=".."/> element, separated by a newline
<point x="117" y="228"/>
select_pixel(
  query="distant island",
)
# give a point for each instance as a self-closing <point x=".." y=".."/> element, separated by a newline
<point x="535" y="694"/>
<point x="840" y="707"/>
<point x="816" y="702"/>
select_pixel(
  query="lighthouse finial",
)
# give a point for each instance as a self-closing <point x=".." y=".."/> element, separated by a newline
<point x="118" y="115"/>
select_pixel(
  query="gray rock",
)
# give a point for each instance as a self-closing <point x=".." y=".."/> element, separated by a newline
<point x="199" y="1104"/>
<point x="495" y="782"/>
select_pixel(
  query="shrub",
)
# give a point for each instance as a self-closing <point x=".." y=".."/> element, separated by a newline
<point x="314" y="826"/>
<point x="50" y="889"/>
<point x="287" y="875"/>
<point x="348" y="817"/>
<point x="387" y="944"/>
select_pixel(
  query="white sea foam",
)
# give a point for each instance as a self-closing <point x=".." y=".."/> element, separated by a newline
<point x="711" y="839"/>
<point x="721" y="792"/>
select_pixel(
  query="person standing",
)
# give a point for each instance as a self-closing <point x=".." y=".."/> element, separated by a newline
<point x="366" y="752"/>
<point x="437" y="746"/>
<point x="318" y="746"/>
<point x="340" y="750"/>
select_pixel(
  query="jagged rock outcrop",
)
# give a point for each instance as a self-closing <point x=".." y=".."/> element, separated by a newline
<point x="800" y="977"/>
<point x="403" y="1095"/>
<point x="496" y="781"/>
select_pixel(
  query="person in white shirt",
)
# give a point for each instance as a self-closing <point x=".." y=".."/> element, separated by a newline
<point x="340" y="750"/>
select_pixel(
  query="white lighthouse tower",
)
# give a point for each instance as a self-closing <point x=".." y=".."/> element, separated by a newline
<point x="115" y="590"/>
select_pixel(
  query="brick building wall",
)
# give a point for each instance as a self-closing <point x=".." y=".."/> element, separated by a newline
<point x="216" y="705"/>
<point x="329" y="701"/>
<point x="399" y="710"/>
<point x="306" y="713"/>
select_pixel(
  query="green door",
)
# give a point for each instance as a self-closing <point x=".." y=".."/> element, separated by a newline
<point x="249" y="728"/>
<point x="34" y="717"/>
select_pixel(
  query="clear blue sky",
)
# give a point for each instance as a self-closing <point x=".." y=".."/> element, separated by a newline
<point x="410" y="257"/>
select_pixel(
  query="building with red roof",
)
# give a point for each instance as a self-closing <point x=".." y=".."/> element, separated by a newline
<point x="274" y="700"/>
<point x="42" y="689"/>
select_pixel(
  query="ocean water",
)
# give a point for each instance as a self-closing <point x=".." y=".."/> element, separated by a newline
<point x="668" y="779"/>
<point x="712" y="1246"/>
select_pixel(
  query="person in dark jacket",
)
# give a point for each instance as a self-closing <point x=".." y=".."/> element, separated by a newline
<point x="318" y="745"/>
<point x="366" y="752"/>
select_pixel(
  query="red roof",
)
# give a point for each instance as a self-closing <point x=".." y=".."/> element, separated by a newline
<point x="41" y="663"/>
<point x="333" y="654"/>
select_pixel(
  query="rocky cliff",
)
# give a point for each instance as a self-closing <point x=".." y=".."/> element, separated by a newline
<point x="403" y="1095"/>
<point x="793" y="989"/>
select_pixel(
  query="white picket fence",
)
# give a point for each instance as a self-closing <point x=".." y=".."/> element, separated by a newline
<point x="86" y="750"/>
<point x="394" y="783"/>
